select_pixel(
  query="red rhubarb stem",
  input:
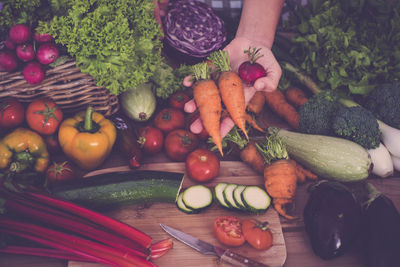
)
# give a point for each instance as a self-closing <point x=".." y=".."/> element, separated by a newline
<point x="44" y="252"/>
<point x="108" y="222"/>
<point x="56" y="245"/>
<point x="78" y="227"/>
<point x="92" y="248"/>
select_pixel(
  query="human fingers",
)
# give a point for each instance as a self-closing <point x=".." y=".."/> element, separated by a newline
<point x="190" y="106"/>
<point x="226" y="126"/>
<point x="188" y="81"/>
<point x="197" y="126"/>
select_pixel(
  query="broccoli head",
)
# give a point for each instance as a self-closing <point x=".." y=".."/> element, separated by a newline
<point x="358" y="125"/>
<point x="384" y="103"/>
<point x="315" y="116"/>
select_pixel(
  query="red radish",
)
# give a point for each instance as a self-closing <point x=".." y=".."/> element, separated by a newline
<point x="8" y="60"/>
<point x="9" y="44"/>
<point x="20" y="33"/>
<point x="25" y="52"/>
<point x="47" y="53"/>
<point x="33" y="72"/>
<point x="42" y="37"/>
<point x="250" y="70"/>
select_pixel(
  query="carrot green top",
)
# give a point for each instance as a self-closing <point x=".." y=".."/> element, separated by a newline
<point x="221" y="60"/>
<point x="201" y="71"/>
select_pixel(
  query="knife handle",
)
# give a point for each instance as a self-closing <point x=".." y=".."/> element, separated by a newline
<point x="239" y="260"/>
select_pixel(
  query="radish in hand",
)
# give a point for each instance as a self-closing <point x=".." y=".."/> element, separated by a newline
<point x="250" y="70"/>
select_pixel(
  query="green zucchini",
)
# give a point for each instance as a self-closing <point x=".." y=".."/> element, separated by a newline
<point x="228" y="195"/>
<point x="237" y="196"/>
<point x="255" y="199"/>
<point x="328" y="157"/>
<point x="197" y="197"/>
<point x="182" y="207"/>
<point x="110" y="190"/>
<point x="219" y="194"/>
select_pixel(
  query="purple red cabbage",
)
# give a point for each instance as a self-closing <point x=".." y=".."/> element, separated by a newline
<point x="193" y="28"/>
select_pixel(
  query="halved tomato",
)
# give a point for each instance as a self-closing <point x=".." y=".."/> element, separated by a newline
<point x="228" y="230"/>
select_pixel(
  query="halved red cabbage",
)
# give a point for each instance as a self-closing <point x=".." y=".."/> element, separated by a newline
<point x="193" y="28"/>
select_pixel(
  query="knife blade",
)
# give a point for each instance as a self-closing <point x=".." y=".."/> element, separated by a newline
<point x="208" y="249"/>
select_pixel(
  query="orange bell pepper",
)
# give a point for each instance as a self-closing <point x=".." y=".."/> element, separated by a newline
<point x="87" y="138"/>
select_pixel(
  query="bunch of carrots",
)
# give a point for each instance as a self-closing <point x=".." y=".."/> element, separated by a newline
<point x="228" y="90"/>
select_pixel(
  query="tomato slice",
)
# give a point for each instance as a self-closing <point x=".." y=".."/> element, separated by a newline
<point x="228" y="231"/>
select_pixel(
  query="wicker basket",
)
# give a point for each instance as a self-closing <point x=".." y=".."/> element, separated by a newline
<point x="65" y="84"/>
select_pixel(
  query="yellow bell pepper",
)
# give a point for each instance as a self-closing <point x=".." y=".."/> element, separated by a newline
<point x="23" y="149"/>
<point x="87" y="138"/>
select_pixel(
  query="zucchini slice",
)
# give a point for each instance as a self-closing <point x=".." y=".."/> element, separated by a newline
<point x="219" y="194"/>
<point x="237" y="197"/>
<point x="197" y="197"/>
<point x="182" y="207"/>
<point x="228" y="196"/>
<point x="256" y="199"/>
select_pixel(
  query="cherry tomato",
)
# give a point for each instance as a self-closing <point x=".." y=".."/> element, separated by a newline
<point x="228" y="231"/>
<point x="169" y="119"/>
<point x="202" y="165"/>
<point x="257" y="234"/>
<point x="44" y="116"/>
<point x="179" y="143"/>
<point x="11" y="113"/>
<point x="151" y="139"/>
<point x="178" y="100"/>
<point x="60" y="172"/>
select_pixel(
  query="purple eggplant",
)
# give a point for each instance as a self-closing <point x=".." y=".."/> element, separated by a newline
<point x="332" y="218"/>
<point x="381" y="231"/>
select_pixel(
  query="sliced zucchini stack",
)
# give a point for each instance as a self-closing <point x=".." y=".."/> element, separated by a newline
<point x="194" y="199"/>
<point x="248" y="198"/>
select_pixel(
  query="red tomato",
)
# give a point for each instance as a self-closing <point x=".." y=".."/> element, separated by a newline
<point x="151" y="139"/>
<point x="52" y="143"/>
<point x="178" y="100"/>
<point x="11" y="113"/>
<point x="202" y="165"/>
<point x="44" y="116"/>
<point x="257" y="234"/>
<point x="179" y="143"/>
<point x="169" y="119"/>
<point x="59" y="172"/>
<point x="228" y="231"/>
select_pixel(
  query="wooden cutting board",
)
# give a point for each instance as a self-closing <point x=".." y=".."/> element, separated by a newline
<point x="148" y="219"/>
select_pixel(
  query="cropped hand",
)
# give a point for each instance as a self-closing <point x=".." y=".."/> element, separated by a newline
<point x="237" y="56"/>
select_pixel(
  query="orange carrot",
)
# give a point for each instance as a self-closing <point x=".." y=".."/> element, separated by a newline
<point x="249" y="153"/>
<point x="276" y="100"/>
<point x="253" y="123"/>
<point x="252" y="157"/>
<point x="256" y="103"/>
<point x="279" y="174"/>
<point x="295" y="96"/>
<point x="208" y="101"/>
<point x="303" y="173"/>
<point x="231" y="88"/>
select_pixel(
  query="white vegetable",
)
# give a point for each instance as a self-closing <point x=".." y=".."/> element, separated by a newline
<point x="381" y="161"/>
<point x="139" y="104"/>
<point x="396" y="162"/>
<point x="390" y="138"/>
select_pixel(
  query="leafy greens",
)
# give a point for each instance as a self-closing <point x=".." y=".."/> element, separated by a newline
<point x="347" y="45"/>
<point x="116" y="41"/>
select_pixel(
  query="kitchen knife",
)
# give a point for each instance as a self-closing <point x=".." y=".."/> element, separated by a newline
<point x="209" y="249"/>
